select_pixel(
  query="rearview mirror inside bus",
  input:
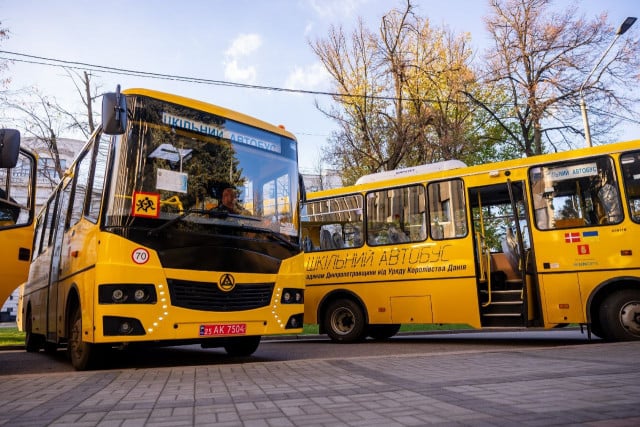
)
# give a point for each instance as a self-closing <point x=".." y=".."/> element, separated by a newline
<point x="9" y="147"/>
<point x="114" y="113"/>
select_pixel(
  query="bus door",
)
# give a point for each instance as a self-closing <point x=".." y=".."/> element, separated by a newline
<point x="55" y="298"/>
<point x="17" y="198"/>
<point x="502" y="249"/>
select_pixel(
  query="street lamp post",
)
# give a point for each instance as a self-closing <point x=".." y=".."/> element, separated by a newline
<point x="583" y="106"/>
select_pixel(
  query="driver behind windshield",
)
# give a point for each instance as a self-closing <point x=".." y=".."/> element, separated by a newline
<point x="229" y="202"/>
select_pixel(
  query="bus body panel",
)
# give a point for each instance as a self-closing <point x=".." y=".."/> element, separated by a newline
<point x="389" y="280"/>
<point x="15" y="270"/>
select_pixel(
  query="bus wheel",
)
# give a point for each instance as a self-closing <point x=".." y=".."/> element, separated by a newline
<point x="83" y="355"/>
<point x="32" y="342"/>
<point x="344" y="321"/>
<point x="382" y="332"/>
<point x="620" y="315"/>
<point x="242" y="346"/>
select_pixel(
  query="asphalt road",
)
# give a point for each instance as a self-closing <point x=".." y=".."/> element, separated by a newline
<point x="17" y="362"/>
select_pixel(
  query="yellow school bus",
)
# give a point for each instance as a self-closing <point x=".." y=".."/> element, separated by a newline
<point x="17" y="198"/>
<point x="137" y="244"/>
<point x="543" y="242"/>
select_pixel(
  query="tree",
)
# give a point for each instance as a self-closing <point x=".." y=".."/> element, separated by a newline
<point x="43" y="118"/>
<point x="4" y="65"/>
<point x="541" y="58"/>
<point x="400" y="95"/>
<point x="40" y="119"/>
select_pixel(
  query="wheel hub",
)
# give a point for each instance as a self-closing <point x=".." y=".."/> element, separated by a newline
<point x="343" y="321"/>
<point x="630" y="317"/>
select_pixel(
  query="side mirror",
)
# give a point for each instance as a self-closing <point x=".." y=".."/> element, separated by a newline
<point x="303" y="190"/>
<point x="9" y="147"/>
<point x="114" y="113"/>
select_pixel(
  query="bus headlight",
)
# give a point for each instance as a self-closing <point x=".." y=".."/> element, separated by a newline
<point x="140" y="295"/>
<point x="118" y="296"/>
<point x="124" y="293"/>
<point x="292" y="296"/>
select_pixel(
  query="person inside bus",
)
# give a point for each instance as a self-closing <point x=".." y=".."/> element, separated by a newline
<point x="609" y="199"/>
<point x="229" y="201"/>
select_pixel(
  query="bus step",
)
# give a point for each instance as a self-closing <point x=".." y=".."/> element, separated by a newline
<point x="502" y="315"/>
<point x="502" y="321"/>
<point x="504" y="296"/>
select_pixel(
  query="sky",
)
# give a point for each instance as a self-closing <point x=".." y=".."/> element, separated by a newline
<point x="256" y="42"/>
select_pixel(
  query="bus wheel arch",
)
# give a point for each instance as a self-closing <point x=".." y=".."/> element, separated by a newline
<point x="82" y="354"/>
<point x="614" y="310"/>
<point x="343" y="317"/>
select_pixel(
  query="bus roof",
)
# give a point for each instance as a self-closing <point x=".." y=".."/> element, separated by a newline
<point x="413" y="170"/>
<point x="439" y="173"/>
<point x="211" y="108"/>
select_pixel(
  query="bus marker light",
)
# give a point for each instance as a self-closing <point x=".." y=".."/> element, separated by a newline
<point x="626" y="252"/>
<point x="563" y="306"/>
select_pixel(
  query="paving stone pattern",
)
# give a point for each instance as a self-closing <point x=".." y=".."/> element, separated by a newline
<point x="596" y="385"/>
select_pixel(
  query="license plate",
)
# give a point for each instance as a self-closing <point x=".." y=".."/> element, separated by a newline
<point x="226" y="329"/>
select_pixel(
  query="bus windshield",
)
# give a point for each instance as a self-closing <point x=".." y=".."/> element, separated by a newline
<point x="185" y="169"/>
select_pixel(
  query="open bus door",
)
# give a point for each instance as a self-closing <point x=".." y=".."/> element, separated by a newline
<point x="17" y="204"/>
<point x="507" y="286"/>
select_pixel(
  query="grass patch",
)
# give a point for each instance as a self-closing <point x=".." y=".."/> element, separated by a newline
<point x="313" y="329"/>
<point x="11" y="336"/>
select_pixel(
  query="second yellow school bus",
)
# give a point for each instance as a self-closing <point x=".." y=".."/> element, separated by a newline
<point x="544" y="242"/>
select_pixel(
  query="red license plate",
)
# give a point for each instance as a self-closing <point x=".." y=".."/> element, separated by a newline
<point x="219" y="330"/>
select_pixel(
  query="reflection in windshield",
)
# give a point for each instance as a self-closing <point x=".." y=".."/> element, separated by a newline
<point x="200" y="165"/>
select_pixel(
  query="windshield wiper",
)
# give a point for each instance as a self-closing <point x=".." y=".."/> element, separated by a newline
<point x="209" y="212"/>
<point x="217" y="214"/>
<point x="270" y="233"/>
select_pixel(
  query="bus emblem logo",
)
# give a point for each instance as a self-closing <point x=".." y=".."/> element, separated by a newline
<point x="226" y="283"/>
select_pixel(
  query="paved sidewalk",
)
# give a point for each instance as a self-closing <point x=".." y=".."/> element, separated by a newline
<point x="594" y="385"/>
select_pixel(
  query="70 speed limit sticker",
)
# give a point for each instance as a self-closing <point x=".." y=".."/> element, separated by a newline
<point x="140" y="256"/>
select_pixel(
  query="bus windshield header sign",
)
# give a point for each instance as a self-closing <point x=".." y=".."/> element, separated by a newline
<point x="246" y="138"/>
<point x="571" y="172"/>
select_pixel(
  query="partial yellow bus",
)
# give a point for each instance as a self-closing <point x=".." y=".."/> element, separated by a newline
<point x="542" y="242"/>
<point x="17" y="199"/>
<point x="135" y="245"/>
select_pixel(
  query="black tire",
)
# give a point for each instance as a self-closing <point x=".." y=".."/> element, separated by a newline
<point x="83" y="355"/>
<point x="596" y="328"/>
<point x="32" y="342"/>
<point x="50" y="347"/>
<point x="383" y="332"/>
<point x="242" y="346"/>
<point x="344" y="321"/>
<point x="620" y="316"/>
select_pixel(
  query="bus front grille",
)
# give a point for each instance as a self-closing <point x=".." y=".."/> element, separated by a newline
<point x="208" y="297"/>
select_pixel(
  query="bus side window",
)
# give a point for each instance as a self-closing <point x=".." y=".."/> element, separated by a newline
<point x="447" y="210"/>
<point x="610" y="211"/>
<point x="332" y="223"/>
<point x="9" y="212"/>
<point x="630" y="164"/>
